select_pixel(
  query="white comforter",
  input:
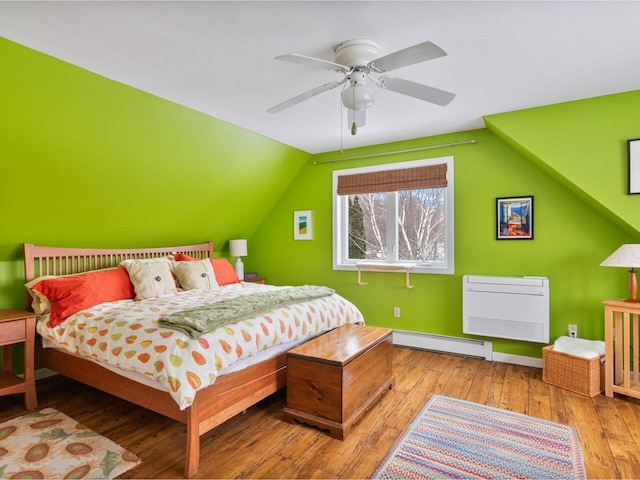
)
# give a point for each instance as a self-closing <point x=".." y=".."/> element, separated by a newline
<point x="125" y="334"/>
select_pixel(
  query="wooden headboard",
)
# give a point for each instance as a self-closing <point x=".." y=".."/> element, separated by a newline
<point x="39" y="261"/>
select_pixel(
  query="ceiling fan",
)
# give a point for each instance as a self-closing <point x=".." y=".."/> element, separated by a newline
<point x="360" y="62"/>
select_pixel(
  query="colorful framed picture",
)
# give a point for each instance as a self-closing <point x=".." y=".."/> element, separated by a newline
<point x="514" y="218"/>
<point x="634" y="166"/>
<point x="302" y="225"/>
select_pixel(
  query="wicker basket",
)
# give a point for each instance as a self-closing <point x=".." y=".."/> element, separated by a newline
<point x="580" y="375"/>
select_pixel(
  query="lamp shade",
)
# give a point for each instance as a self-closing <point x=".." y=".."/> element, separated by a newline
<point x="238" y="248"/>
<point x="626" y="256"/>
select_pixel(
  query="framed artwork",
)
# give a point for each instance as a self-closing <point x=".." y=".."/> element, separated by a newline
<point x="514" y="218"/>
<point x="302" y="225"/>
<point x="634" y="166"/>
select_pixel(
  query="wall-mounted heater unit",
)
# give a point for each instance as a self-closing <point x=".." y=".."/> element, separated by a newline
<point x="506" y="307"/>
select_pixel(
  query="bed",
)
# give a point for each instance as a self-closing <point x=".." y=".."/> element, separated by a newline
<point x="208" y="403"/>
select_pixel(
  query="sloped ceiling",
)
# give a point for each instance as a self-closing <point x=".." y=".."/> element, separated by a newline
<point x="583" y="145"/>
<point x="218" y="57"/>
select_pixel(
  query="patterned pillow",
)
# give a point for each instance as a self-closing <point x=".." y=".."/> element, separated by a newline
<point x="224" y="271"/>
<point x="150" y="279"/>
<point x="195" y="274"/>
<point x="168" y="260"/>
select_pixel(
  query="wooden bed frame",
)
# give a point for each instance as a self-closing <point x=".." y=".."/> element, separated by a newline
<point x="228" y="396"/>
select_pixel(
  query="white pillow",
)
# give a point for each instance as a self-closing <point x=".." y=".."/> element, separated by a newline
<point x="150" y="279"/>
<point x="195" y="274"/>
<point x="168" y="260"/>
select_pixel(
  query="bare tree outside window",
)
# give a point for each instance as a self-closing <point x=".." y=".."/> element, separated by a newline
<point x="421" y="231"/>
<point x="420" y="225"/>
<point x="410" y="224"/>
<point x="368" y="226"/>
<point x="357" y="236"/>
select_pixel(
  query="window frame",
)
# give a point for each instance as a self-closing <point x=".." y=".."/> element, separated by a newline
<point x="340" y="210"/>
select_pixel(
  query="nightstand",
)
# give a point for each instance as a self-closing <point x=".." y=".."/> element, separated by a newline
<point x="621" y="333"/>
<point x="17" y="326"/>
<point x="254" y="280"/>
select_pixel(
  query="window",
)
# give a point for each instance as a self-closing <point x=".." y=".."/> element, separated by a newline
<point x="401" y="212"/>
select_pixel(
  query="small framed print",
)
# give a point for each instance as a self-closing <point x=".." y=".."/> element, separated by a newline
<point x="633" y="147"/>
<point x="302" y="225"/>
<point x="514" y="218"/>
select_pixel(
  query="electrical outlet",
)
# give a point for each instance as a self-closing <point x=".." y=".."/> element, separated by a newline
<point x="573" y="330"/>
<point x="396" y="312"/>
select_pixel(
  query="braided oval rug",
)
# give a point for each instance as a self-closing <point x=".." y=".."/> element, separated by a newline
<point x="453" y="438"/>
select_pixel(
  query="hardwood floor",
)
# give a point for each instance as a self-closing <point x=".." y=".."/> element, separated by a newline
<point x="258" y="444"/>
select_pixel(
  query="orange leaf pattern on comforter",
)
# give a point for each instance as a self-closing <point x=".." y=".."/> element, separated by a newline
<point x="126" y="334"/>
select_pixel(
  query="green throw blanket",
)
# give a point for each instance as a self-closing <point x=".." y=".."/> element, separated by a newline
<point x="204" y="319"/>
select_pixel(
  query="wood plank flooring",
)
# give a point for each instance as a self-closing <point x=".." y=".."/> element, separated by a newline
<point x="258" y="444"/>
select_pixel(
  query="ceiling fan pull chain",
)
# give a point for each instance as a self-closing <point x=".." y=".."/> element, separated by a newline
<point x="354" y="127"/>
<point x="341" y="127"/>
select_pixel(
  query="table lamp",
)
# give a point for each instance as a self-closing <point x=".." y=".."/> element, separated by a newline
<point x="627" y="256"/>
<point x="238" y="248"/>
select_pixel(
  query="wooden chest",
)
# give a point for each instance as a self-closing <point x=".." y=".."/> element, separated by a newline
<point x="335" y="378"/>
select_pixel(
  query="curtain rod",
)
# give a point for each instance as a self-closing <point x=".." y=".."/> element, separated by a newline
<point x="394" y="152"/>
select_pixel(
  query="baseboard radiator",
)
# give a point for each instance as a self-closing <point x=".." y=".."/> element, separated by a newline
<point x="441" y="343"/>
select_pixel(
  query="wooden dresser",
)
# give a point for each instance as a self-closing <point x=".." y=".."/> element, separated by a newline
<point x="335" y="378"/>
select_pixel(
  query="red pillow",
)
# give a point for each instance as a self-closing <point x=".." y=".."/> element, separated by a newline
<point x="70" y="294"/>
<point x="225" y="274"/>
<point x="181" y="257"/>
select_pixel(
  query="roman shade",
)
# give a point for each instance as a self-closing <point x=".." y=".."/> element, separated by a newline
<point x="432" y="176"/>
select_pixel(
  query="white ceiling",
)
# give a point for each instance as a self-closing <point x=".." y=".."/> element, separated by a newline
<point x="217" y="57"/>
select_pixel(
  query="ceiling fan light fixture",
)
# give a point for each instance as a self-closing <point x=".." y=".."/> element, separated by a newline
<point x="358" y="97"/>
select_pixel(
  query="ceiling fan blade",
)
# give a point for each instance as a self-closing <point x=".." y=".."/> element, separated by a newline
<point x="417" y="90"/>
<point x="304" y="96"/>
<point x="313" y="62"/>
<point x="408" y="56"/>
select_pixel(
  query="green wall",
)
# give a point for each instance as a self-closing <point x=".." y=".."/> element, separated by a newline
<point x="571" y="236"/>
<point x="583" y="144"/>
<point x="86" y="161"/>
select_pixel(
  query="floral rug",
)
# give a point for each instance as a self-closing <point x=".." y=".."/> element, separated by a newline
<point x="453" y="438"/>
<point x="48" y="444"/>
